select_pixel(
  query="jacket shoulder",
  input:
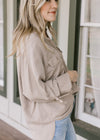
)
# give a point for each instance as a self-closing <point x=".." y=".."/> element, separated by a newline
<point x="34" y="39"/>
<point x="32" y="42"/>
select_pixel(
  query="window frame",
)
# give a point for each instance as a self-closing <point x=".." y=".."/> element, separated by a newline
<point x="4" y="92"/>
<point x="85" y="27"/>
<point x="82" y="128"/>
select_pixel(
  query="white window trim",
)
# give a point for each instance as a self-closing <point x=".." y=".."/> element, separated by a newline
<point x="1" y="23"/>
<point x="88" y="24"/>
<point x="1" y="82"/>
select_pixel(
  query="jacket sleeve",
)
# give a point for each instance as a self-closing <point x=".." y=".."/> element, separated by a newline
<point x="35" y="87"/>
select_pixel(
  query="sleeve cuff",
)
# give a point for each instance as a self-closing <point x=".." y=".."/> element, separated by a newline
<point x="64" y="83"/>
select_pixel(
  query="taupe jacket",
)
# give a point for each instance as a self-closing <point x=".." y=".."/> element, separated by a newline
<point x="46" y="91"/>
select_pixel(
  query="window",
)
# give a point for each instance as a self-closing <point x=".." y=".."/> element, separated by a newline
<point x="3" y="47"/>
<point x="89" y="63"/>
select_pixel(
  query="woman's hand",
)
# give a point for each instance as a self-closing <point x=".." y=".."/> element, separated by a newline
<point x="73" y="75"/>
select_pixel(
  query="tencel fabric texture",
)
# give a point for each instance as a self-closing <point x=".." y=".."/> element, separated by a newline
<point x="46" y="91"/>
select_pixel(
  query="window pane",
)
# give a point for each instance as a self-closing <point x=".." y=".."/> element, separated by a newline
<point x="94" y="42"/>
<point x="93" y="72"/>
<point x="92" y="10"/>
<point x="1" y="59"/>
<point x="92" y="80"/>
<point x="1" y="9"/>
<point x="92" y="102"/>
<point x="88" y="73"/>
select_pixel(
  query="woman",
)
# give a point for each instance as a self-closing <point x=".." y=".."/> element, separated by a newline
<point x="45" y="84"/>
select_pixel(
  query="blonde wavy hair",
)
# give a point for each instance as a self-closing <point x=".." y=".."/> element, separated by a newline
<point x="30" y="20"/>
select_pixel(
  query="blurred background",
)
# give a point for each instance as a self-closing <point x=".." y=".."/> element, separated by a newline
<point x="78" y="35"/>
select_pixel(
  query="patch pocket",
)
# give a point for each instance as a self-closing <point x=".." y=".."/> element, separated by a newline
<point x="52" y="64"/>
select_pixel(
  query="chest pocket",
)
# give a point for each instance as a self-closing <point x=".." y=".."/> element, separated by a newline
<point x="53" y="63"/>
